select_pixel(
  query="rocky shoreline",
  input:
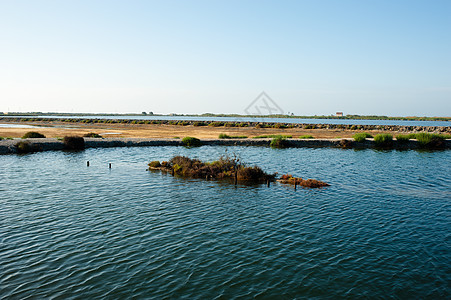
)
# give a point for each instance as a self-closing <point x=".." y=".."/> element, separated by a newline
<point x="51" y="144"/>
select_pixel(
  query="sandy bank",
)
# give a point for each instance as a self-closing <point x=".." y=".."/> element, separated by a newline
<point x="56" y="128"/>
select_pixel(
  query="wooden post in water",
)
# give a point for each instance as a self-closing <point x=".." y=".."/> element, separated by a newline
<point x="109" y="165"/>
<point x="236" y="177"/>
<point x="295" y="184"/>
<point x="87" y="163"/>
<point x="268" y="182"/>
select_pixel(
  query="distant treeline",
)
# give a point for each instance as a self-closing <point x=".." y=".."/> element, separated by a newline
<point x="347" y="117"/>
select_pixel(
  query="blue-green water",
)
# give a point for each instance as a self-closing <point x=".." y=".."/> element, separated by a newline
<point x="382" y="229"/>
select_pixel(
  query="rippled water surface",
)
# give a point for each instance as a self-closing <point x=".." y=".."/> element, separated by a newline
<point x="70" y="231"/>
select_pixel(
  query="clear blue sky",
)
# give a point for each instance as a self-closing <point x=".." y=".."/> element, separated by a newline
<point x="311" y="57"/>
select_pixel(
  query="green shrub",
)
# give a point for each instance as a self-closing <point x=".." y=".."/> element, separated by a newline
<point x="306" y="136"/>
<point x="427" y="140"/>
<point x="23" y="147"/>
<point x="191" y="141"/>
<point x="93" y="135"/>
<point x="279" y="143"/>
<point x="199" y="124"/>
<point x="383" y="140"/>
<point x="1" y="138"/>
<point x="74" y="143"/>
<point x="176" y="137"/>
<point x="361" y="136"/>
<point x="33" y="135"/>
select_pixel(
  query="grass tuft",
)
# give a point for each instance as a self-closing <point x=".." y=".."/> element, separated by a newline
<point x="402" y="138"/>
<point x="92" y="135"/>
<point x="306" y="136"/>
<point x="383" y="140"/>
<point x="279" y="143"/>
<point x="226" y="136"/>
<point x="425" y="140"/>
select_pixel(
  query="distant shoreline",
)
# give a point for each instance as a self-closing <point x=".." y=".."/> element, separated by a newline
<point x="278" y="116"/>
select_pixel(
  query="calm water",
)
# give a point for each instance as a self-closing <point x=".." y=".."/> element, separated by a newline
<point x="259" y="119"/>
<point x="71" y="231"/>
<point x="18" y="126"/>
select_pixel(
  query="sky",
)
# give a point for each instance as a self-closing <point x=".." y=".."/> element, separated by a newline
<point x="312" y="57"/>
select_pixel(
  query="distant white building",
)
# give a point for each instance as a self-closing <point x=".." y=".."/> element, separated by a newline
<point x="339" y="114"/>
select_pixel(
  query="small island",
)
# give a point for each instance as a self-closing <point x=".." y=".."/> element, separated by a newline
<point x="228" y="168"/>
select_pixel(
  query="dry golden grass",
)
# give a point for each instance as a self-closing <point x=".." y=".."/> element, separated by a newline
<point x="60" y="129"/>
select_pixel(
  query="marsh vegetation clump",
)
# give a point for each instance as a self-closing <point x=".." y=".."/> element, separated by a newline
<point x="33" y="135"/>
<point x="310" y="183"/>
<point x="306" y="136"/>
<point x="191" y="142"/>
<point x="74" y="143"/>
<point x="224" y="168"/>
<point x="361" y="136"/>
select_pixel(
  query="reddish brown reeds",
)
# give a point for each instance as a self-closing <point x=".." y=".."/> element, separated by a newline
<point x="310" y="183"/>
